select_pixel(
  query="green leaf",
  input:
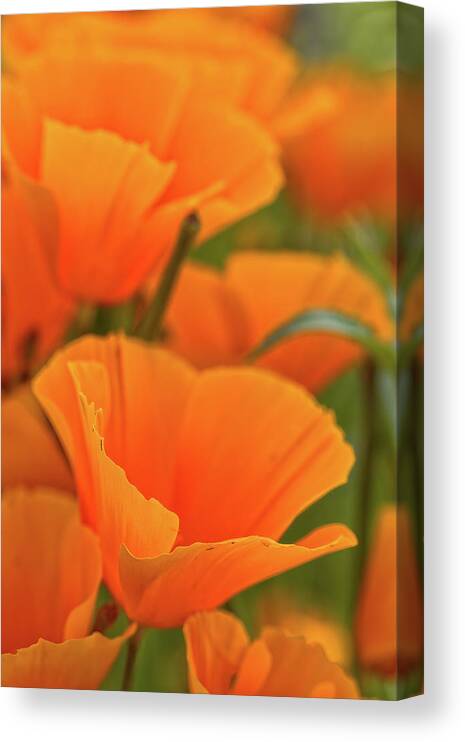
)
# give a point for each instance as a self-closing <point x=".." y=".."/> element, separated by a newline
<point x="410" y="346"/>
<point x="334" y="323"/>
<point x="360" y="246"/>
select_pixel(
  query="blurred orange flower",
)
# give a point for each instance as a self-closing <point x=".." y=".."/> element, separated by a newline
<point x="35" y="313"/>
<point x="222" y="659"/>
<point x="340" y="148"/>
<point x="389" y="621"/>
<point x="190" y="478"/>
<point x="127" y="159"/>
<point x="259" y="291"/>
<point x="273" y="18"/>
<point x="279" y="610"/>
<point x="229" y="59"/>
<point x="50" y="575"/>
<point x="31" y="453"/>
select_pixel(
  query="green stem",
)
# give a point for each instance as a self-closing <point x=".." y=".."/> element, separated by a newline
<point x="114" y="318"/>
<point x="365" y="501"/>
<point x="82" y="322"/>
<point x="133" y="646"/>
<point x="151" y="324"/>
<point x="368" y="460"/>
<point x="416" y="428"/>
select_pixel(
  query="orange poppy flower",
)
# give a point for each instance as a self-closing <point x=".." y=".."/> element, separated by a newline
<point x="389" y="621"/>
<point x="51" y="571"/>
<point x="282" y="612"/>
<point x="31" y="453"/>
<point x="190" y="478"/>
<point x="222" y="659"/>
<point x="273" y="18"/>
<point x="127" y="159"/>
<point x="340" y="147"/>
<point x="35" y="313"/>
<point x="235" y="311"/>
<point x="230" y="59"/>
<point x="256" y="69"/>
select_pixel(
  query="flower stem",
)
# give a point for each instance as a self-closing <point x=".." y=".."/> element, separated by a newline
<point x="133" y="646"/>
<point x="151" y="325"/>
<point x="368" y="460"/>
<point x="114" y="318"/>
<point x="416" y="428"/>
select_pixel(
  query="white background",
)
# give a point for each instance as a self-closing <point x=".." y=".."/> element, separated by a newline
<point x="63" y="715"/>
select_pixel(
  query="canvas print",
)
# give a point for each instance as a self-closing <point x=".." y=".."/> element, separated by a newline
<point x="212" y="351"/>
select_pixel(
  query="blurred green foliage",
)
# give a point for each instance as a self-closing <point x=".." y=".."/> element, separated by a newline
<point x="365" y="35"/>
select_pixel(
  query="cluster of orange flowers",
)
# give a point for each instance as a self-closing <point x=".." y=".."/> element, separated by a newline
<point x="187" y="463"/>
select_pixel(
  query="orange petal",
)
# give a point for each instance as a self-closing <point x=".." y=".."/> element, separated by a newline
<point x="31" y="454"/>
<point x="254" y="69"/>
<point x="254" y="669"/>
<point x="180" y="441"/>
<point x="269" y="67"/>
<point x="239" y="470"/>
<point x="115" y="91"/>
<point x="220" y="161"/>
<point x="143" y="392"/>
<point x="123" y="515"/>
<point x="232" y="151"/>
<point x="165" y="426"/>
<point x="215" y="644"/>
<point x="389" y="621"/>
<point x="274" y="288"/>
<point x="77" y="664"/>
<point x="139" y="437"/>
<point x="50" y="569"/>
<point x="164" y="222"/>
<point x="227" y="167"/>
<point x="273" y="18"/>
<point x="302" y="670"/>
<point x="35" y="311"/>
<point x="166" y="590"/>
<point x="21" y="126"/>
<point x="280" y="609"/>
<point x="213" y="333"/>
<point x="343" y="160"/>
<point x="104" y="187"/>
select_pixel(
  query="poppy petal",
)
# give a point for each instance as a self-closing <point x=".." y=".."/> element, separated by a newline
<point x="51" y="568"/>
<point x="303" y="670"/>
<point x="254" y="669"/>
<point x="215" y="645"/>
<point x="239" y="470"/>
<point x="104" y="187"/>
<point x="143" y="392"/>
<point x="115" y="93"/>
<point x="216" y="333"/>
<point x="268" y="66"/>
<point x="111" y="505"/>
<point x="77" y="664"/>
<point x="21" y="126"/>
<point x="34" y="309"/>
<point x="123" y="515"/>
<point x="204" y="159"/>
<point x="31" y="454"/>
<point x="389" y="619"/>
<point x="288" y="284"/>
<point x="165" y="590"/>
